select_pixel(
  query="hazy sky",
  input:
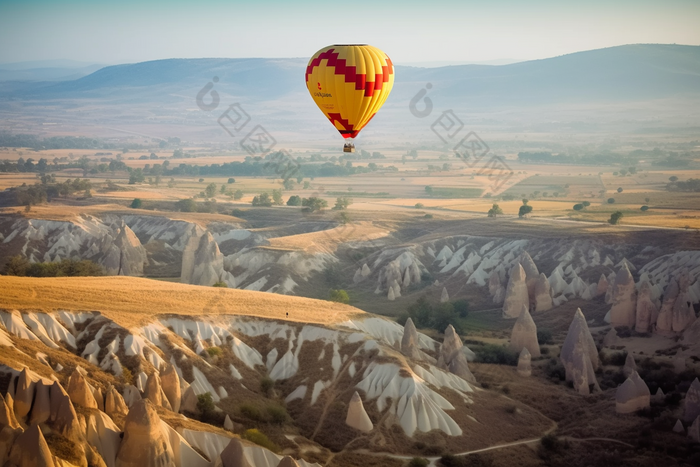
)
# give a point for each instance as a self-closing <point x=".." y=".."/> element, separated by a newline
<point x="408" y="31"/>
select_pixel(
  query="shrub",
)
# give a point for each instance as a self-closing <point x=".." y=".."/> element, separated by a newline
<point x="339" y="295"/>
<point x="214" y="351"/>
<point x="205" y="404"/>
<point x="524" y="210"/>
<point x="495" y="210"/>
<point x="266" y="385"/>
<point x="492" y="353"/>
<point x="419" y="206"/>
<point x="251" y="412"/>
<point x="231" y="180"/>
<point x="544" y="337"/>
<point x="277" y="413"/>
<point x="136" y="203"/>
<point x="578" y="207"/>
<point x="644" y="208"/>
<point x="611" y="200"/>
<point x="615" y="217"/>
<point x="428" y="216"/>
<point x="186" y="205"/>
<point x="259" y="438"/>
<point x="586" y="203"/>
<point x="127" y="376"/>
<point x="294" y="200"/>
<point x="418" y="462"/>
<point x="220" y="284"/>
<point x="461" y="307"/>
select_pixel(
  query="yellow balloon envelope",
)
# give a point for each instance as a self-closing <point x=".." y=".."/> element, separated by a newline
<point x="349" y="83"/>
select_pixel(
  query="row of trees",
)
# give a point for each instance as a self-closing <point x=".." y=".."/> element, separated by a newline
<point x="20" y="266"/>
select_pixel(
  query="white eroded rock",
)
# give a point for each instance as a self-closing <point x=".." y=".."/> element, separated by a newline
<point x="357" y="416"/>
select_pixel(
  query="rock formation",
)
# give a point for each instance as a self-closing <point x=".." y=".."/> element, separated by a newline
<point x="114" y="403"/>
<point x="557" y="282"/>
<point x="41" y="409"/>
<point x="444" y="296"/>
<point x="632" y="395"/>
<point x="202" y="261"/>
<point x="525" y="363"/>
<point x="624" y="299"/>
<point x="659" y="397"/>
<point x="694" y="430"/>
<point x="532" y="274"/>
<point x="390" y="295"/>
<point x="144" y="443"/>
<point x="516" y="293"/>
<point x="494" y="283"/>
<point x="543" y="294"/>
<point x="24" y="394"/>
<point x="692" y="402"/>
<point x="524" y="334"/>
<point x="611" y="338"/>
<point x="664" y="322"/>
<point x="678" y="427"/>
<point x="189" y="401"/>
<point x="124" y="256"/>
<point x="233" y="456"/>
<point x="288" y="462"/>
<point x="602" y="286"/>
<point x="170" y="382"/>
<point x="30" y="450"/>
<point x="409" y="341"/>
<point x="630" y="365"/>
<point x="452" y="357"/>
<point x="154" y="392"/>
<point x="7" y="413"/>
<point x="579" y="355"/>
<point x="131" y="395"/>
<point x="79" y="391"/>
<point x="682" y="315"/>
<point x="357" y="417"/>
<point x="228" y="423"/>
<point x="646" y="310"/>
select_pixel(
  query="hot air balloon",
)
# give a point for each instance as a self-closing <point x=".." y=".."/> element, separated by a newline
<point x="349" y="83"/>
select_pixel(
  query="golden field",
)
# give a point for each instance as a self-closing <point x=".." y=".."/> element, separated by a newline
<point x="131" y="301"/>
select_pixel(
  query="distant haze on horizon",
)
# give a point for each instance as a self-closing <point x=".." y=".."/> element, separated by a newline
<point x="411" y="32"/>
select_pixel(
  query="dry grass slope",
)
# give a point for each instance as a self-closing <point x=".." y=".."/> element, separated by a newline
<point x="131" y="301"/>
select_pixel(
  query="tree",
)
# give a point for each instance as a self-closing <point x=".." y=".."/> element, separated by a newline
<point x="615" y="217"/>
<point x="495" y="211"/>
<point x="210" y="190"/>
<point x="419" y="206"/>
<point x="230" y="180"/>
<point x="342" y="202"/>
<point x="525" y="201"/>
<point x="205" y="404"/>
<point x="429" y="190"/>
<point x="673" y="178"/>
<point x="314" y="203"/>
<point x="586" y="204"/>
<point x="288" y="184"/>
<point x="524" y="210"/>
<point x="186" y="205"/>
<point x="461" y="307"/>
<point x="277" y="197"/>
<point x="136" y="176"/>
<point x="619" y="190"/>
<point x="16" y="266"/>
<point x="339" y="295"/>
<point x="294" y="200"/>
<point x="136" y="203"/>
<point x="262" y="200"/>
<point x="611" y="200"/>
<point x="644" y="208"/>
<point x="223" y="189"/>
<point x="238" y="195"/>
<point x="578" y="207"/>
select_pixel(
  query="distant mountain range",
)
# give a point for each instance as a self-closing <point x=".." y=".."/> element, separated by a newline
<point x="631" y="72"/>
<point x="629" y="85"/>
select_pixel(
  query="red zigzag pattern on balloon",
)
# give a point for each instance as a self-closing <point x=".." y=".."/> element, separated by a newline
<point x="350" y="72"/>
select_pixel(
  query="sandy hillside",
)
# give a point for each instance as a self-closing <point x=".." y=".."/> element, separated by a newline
<point x="130" y="301"/>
